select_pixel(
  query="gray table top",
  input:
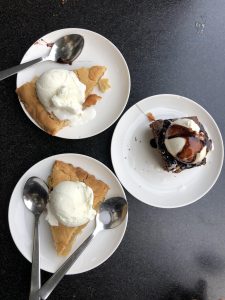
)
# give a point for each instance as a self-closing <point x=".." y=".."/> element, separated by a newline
<point x="172" y="47"/>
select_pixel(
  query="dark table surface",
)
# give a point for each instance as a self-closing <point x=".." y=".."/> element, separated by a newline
<point x="170" y="47"/>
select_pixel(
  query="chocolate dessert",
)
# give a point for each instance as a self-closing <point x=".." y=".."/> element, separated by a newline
<point x="183" y="143"/>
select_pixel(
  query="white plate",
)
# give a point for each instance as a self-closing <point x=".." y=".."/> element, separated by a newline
<point x="21" y="220"/>
<point x="138" y="165"/>
<point x="97" y="51"/>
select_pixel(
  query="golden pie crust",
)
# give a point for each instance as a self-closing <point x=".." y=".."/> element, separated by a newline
<point x="64" y="236"/>
<point x="50" y="123"/>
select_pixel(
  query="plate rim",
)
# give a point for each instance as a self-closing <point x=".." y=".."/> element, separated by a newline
<point x="125" y="65"/>
<point x="219" y="134"/>
<point x="57" y="156"/>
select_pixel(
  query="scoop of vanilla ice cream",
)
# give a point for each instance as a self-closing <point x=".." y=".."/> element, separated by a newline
<point x="187" y="123"/>
<point x="62" y="93"/>
<point x="175" y="145"/>
<point x="71" y="204"/>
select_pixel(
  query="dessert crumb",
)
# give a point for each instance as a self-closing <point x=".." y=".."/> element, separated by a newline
<point x="91" y="100"/>
<point x="104" y="85"/>
<point x="150" y="116"/>
<point x="42" y="42"/>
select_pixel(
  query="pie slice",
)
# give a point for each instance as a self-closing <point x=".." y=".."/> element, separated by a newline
<point x="64" y="236"/>
<point x="50" y="123"/>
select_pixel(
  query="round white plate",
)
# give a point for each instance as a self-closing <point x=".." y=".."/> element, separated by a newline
<point x="21" y="219"/>
<point x="97" y="51"/>
<point x="138" y="165"/>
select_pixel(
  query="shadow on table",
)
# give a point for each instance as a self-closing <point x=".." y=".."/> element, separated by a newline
<point x="179" y="292"/>
<point x="210" y="262"/>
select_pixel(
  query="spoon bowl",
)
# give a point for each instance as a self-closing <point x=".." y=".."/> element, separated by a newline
<point x="112" y="212"/>
<point x="35" y="195"/>
<point x="66" y="49"/>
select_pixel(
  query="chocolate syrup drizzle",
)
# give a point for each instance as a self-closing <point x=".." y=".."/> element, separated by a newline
<point x="194" y="142"/>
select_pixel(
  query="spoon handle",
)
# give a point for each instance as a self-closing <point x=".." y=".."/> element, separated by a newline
<point x="35" y="272"/>
<point x="13" y="70"/>
<point x="53" y="281"/>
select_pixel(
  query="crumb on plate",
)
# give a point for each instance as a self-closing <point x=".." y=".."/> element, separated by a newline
<point x="150" y="116"/>
<point x="104" y="85"/>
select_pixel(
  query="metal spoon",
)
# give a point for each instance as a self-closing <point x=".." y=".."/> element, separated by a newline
<point x="35" y="197"/>
<point x="111" y="214"/>
<point x="65" y="50"/>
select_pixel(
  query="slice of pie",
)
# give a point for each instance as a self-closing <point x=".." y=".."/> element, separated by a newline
<point x="50" y="123"/>
<point x="64" y="236"/>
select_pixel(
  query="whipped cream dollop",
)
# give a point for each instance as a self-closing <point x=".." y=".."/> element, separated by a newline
<point x="186" y="142"/>
<point x="62" y="93"/>
<point x="71" y="204"/>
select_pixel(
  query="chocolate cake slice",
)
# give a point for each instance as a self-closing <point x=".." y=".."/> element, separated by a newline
<point x="172" y="163"/>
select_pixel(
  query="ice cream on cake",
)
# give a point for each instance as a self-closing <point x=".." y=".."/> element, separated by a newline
<point x="70" y="204"/>
<point x="183" y="142"/>
<point x="63" y="94"/>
